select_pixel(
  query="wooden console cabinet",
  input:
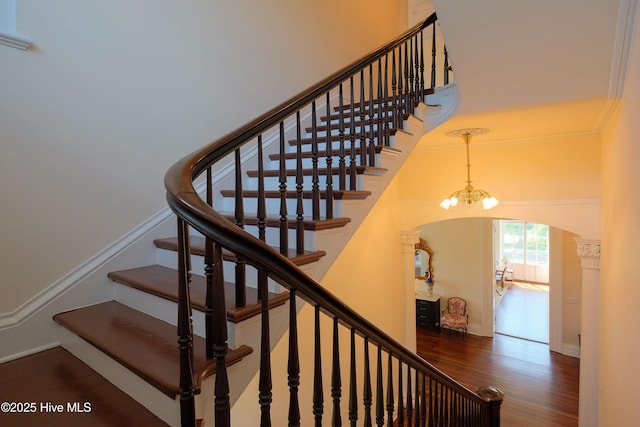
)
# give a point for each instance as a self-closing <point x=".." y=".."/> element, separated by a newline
<point x="428" y="311"/>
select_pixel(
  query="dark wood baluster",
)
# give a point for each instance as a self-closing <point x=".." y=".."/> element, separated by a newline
<point x="209" y="301"/>
<point x="315" y="179"/>
<point x="363" y="123"/>
<point x="407" y="83"/>
<point x="299" y="188"/>
<point x="387" y="133"/>
<point x="416" y="67"/>
<point x="329" y="180"/>
<point x="445" y="405"/>
<point x="265" y="384"/>
<point x="241" y="292"/>
<point x="401" y="413"/>
<point x="457" y="410"/>
<point x="418" y="404"/>
<point x="394" y="84"/>
<point x="318" y="397"/>
<point x="422" y="66"/>
<point x="433" y="402"/>
<point x="372" y="121"/>
<point x="342" y="171"/>
<point x="352" y="138"/>
<point x="390" y="396"/>
<point x="222" y="403"/>
<point x="367" y="394"/>
<point x="216" y="321"/>
<point x="410" y="87"/>
<point x="447" y="68"/>
<point x="409" y="397"/>
<point x="442" y="411"/>
<point x="185" y="331"/>
<point x="293" y="367"/>
<point x="284" y="222"/>
<point x="379" y="391"/>
<point x="432" y="396"/>
<point x="400" y="100"/>
<point x="336" y="379"/>
<point x="381" y="110"/>
<point x="261" y="214"/>
<point x="353" y="385"/>
<point x="433" y="58"/>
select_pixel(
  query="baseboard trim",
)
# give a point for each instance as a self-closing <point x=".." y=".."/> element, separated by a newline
<point x="571" y="350"/>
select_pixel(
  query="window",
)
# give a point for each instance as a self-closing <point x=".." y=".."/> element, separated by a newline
<point x="8" y="16"/>
<point x="524" y="247"/>
<point x="8" y="34"/>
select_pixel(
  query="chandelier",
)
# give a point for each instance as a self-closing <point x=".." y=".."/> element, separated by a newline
<point x="469" y="194"/>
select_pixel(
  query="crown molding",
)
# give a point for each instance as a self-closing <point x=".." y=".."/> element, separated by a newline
<point x="627" y="17"/>
<point x="14" y="40"/>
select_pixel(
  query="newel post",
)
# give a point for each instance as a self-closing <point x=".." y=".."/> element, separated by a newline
<point x="491" y="412"/>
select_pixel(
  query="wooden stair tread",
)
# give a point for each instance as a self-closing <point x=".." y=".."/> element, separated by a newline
<point x="197" y="244"/>
<point x="336" y="137"/>
<point x="145" y="345"/>
<point x="307" y="194"/>
<point x="360" y="170"/>
<point x="347" y="119"/>
<point x="163" y="282"/>
<point x="308" y="224"/>
<point x="57" y="376"/>
<point x="346" y="115"/>
<point x="380" y="100"/>
<point x="347" y="151"/>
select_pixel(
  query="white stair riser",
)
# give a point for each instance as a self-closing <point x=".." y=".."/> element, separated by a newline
<point x="307" y="163"/>
<point x="170" y="259"/>
<point x="148" y="396"/>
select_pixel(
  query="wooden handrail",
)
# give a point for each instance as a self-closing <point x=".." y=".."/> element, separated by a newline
<point x="397" y="95"/>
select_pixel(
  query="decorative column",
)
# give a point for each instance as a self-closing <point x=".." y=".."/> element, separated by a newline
<point x="589" y="251"/>
<point x="408" y="240"/>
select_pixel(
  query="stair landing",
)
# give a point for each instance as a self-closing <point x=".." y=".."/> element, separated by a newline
<point x="55" y="376"/>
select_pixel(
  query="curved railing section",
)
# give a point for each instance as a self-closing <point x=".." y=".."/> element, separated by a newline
<point x="364" y="104"/>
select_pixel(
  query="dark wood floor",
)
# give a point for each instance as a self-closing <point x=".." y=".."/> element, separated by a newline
<point x="53" y="388"/>
<point x="540" y="387"/>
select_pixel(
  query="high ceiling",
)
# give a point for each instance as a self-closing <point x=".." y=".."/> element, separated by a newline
<point x="533" y="69"/>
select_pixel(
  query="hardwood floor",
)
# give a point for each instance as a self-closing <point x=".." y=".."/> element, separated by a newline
<point x="53" y="388"/>
<point x="523" y="312"/>
<point x="540" y="387"/>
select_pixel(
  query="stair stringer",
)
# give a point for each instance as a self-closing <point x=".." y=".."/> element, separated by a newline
<point x="441" y="105"/>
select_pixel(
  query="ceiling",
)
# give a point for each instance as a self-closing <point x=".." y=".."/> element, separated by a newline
<point x="529" y="70"/>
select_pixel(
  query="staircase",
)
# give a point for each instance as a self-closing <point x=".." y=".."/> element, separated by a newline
<point x="275" y="202"/>
<point x="136" y="332"/>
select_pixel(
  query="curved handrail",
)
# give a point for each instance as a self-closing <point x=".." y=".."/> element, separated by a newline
<point x="188" y="205"/>
<point x="225" y="145"/>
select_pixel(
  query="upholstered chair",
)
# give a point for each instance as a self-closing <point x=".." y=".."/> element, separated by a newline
<point x="455" y="315"/>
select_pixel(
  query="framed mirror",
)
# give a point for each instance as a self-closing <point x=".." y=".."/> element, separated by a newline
<point x="423" y="269"/>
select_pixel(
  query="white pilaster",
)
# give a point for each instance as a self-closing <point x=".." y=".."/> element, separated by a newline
<point x="589" y="251"/>
<point x="409" y="240"/>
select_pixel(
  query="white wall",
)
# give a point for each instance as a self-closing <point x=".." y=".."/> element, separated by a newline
<point x="620" y="246"/>
<point x="457" y="260"/>
<point x="112" y="93"/>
